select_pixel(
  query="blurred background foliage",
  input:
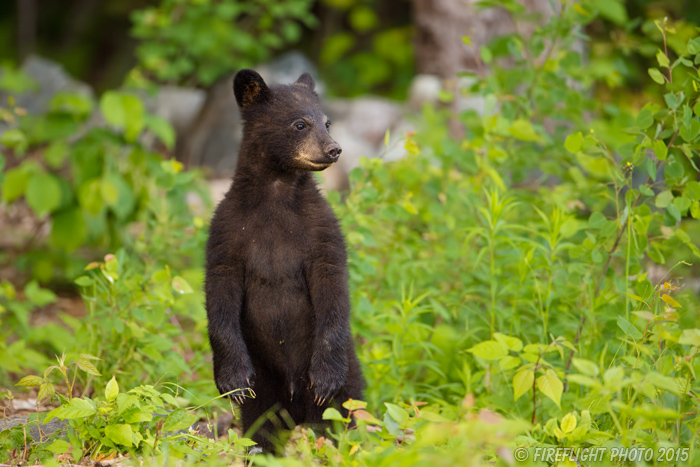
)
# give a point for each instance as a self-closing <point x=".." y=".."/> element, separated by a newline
<point x="361" y="46"/>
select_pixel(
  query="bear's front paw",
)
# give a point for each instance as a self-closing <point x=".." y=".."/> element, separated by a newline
<point x="326" y="382"/>
<point x="241" y="381"/>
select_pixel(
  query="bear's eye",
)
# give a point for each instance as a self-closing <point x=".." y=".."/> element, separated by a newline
<point x="328" y="124"/>
<point x="300" y="126"/>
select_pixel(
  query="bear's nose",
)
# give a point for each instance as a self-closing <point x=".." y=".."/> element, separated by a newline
<point x="334" y="152"/>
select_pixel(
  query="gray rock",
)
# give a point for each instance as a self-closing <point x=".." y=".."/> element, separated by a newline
<point x="33" y="429"/>
<point x="178" y="105"/>
<point x="359" y="126"/>
<point x="214" y="136"/>
<point x="424" y="89"/>
<point x="51" y="78"/>
<point x="288" y="67"/>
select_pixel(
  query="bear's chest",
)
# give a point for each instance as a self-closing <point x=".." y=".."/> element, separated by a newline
<point x="277" y="250"/>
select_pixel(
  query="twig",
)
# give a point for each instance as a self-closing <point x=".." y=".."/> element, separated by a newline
<point x="534" y="391"/>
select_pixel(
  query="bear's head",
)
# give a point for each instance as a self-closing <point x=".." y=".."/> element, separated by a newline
<point x="285" y="124"/>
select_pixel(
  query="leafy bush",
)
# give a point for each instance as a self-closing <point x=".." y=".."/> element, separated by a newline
<point x="91" y="183"/>
<point x="369" y="54"/>
<point x="197" y="41"/>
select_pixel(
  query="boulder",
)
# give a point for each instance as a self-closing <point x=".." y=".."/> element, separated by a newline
<point x="51" y="78"/>
<point x="178" y="105"/>
<point x="288" y="67"/>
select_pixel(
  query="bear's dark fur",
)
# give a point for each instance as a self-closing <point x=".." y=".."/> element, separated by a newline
<point x="276" y="276"/>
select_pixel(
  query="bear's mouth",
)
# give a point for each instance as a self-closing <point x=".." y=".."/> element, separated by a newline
<point x="319" y="165"/>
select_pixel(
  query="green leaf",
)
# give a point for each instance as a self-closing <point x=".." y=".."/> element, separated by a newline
<point x="362" y="19"/>
<point x="692" y="190"/>
<point x="75" y="104"/>
<point x="694" y="46"/>
<point x="611" y="10"/>
<point x="671" y="302"/>
<point x="522" y="382"/>
<point x="354" y="404"/>
<point x="662" y="382"/>
<point x="43" y="193"/>
<point x="551" y="386"/>
<point x="628" y="328"/>
<point x="597" y="220"/>
<point x="695" y="210"/>
<point x="56" y="154"/>
<point x="489" y="350"/>
<point x="397" y="413"/>
<point x="332" y="414"/>
<point x="46" y="391"/>
<point x="181" y="286"/>
<point x="90" y="197"/>
<point x="657" y="76"/>
<point x="672" y="101"/>
<point x="660" y="149"/>
<point x="15" y="139"/>
<point x="169" y="399"/>
<point x="586" y="367"/>
<point x="120" y="434"/>
<point x="109" y="192"/>
<point x="137" y="415"/>
<point x="411" y="147"/>
<point x="646" y="191"/>
<point x="513" y="343"/>
<point x="76" y="408"/>
<point x="112" y="389"/>
<point x="568" y="423"/>
<point x="124" y="111"/>
<point x="573" y="142"/>
<point x="645" y="118"/>
<point x="38" y="296"/>
<point x="486" y="54"/>
<point x="179" y="419"/>
<point x="162" y="129"/>
<point x="662" y="59"/>
<point x="30" y="381"/>
<point x="681" y="203"/>
<point x="509" y="362"/>
<point x="336" y="46"/>
<point x="125" y="196"/>
<point x="690" y="337"/>
<point x="522" y="129"/>
<point x="583" y="380"/>
<point x="58" y="447"/>
<point x="68" y="229"/>
<point x="663" y="199"/>
<point x="89" y="368"/>
<point x="15" y="183"/>
<point x="613" y="377"/>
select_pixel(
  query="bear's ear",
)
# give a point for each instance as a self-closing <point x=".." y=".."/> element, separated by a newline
<point x="307" y="81"/>
<point x="249" y="88"/>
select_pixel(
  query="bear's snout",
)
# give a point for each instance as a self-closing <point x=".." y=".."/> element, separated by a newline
<point x="334" y="152"/>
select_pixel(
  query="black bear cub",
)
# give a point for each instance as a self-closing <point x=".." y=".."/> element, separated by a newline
<point x="276" y="276"/>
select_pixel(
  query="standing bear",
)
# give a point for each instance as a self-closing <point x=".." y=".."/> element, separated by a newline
<point x="276" y="275"/>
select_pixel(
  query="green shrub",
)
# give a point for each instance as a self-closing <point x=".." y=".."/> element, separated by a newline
<point x="197" y="41"/>
<point x="92" y="183"/>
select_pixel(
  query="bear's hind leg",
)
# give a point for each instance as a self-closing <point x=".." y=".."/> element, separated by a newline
<point x="265" y="421"/>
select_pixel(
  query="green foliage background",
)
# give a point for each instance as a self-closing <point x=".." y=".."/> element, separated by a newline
<point x="529" y="284"/>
